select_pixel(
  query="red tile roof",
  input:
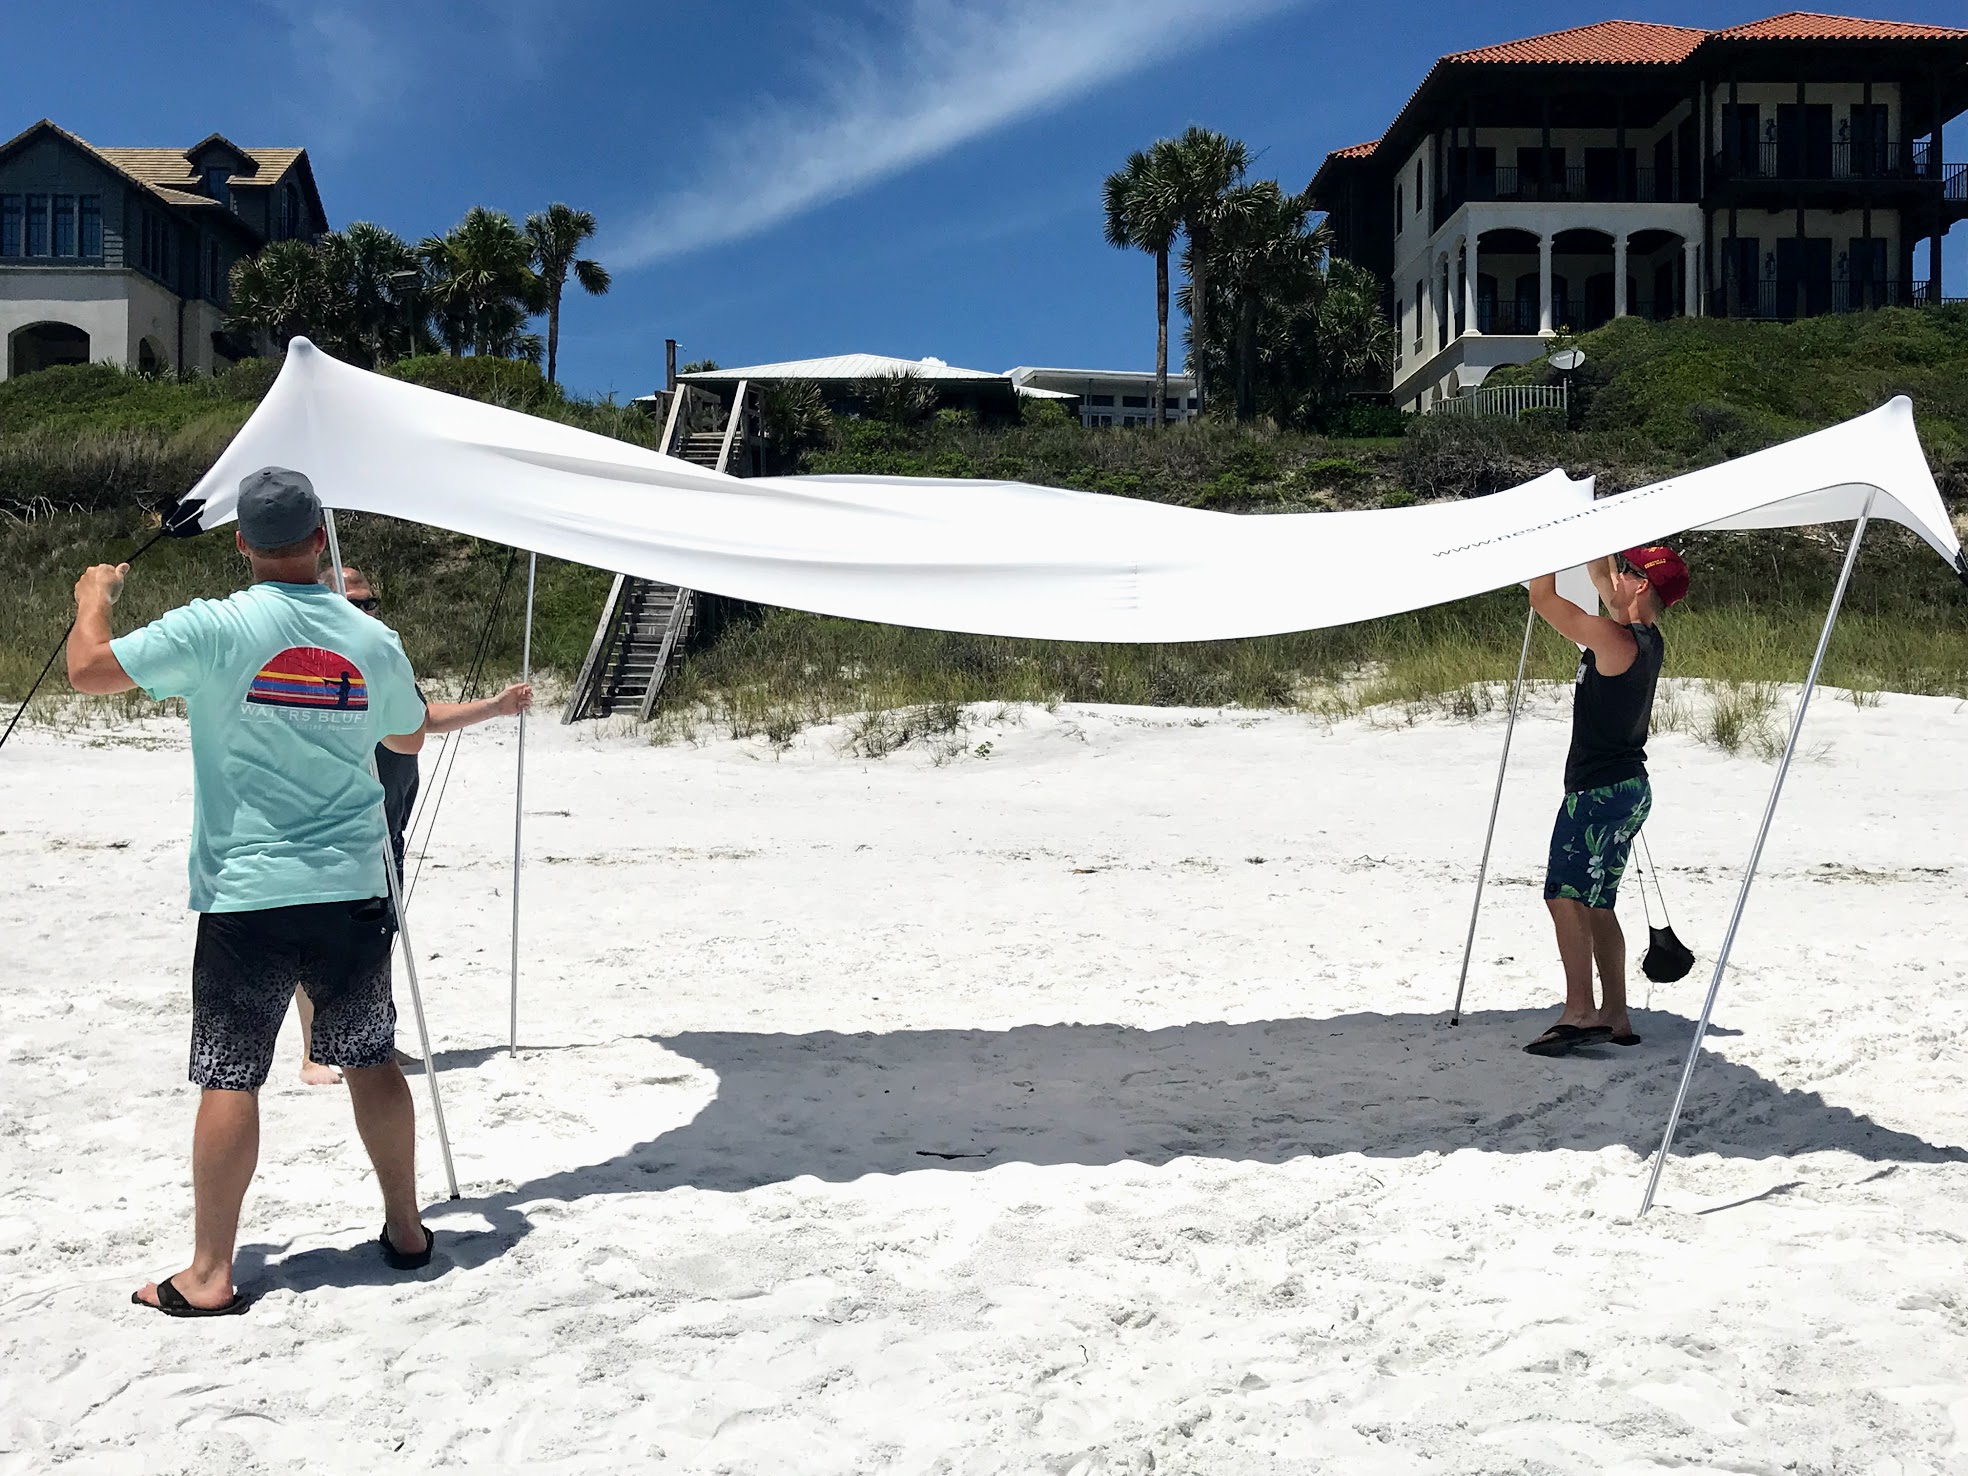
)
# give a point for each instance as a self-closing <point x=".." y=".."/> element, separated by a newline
<point x="1355" y="151"/>
<point x="1807" y="25"/>
<point x="1614" y="43"/>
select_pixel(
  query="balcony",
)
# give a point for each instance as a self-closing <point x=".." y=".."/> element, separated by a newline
<point x="1785" y="301"/>
<point x="1818" y="161"/>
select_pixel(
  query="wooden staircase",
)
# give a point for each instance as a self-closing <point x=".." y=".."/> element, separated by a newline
<point x="645" y="626"/>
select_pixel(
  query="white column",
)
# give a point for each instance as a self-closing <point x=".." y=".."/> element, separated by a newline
<point x="1469" y="250"/>
<point x="1438" y="306"/>
<point x="1692" y="254"/>
<point x="1619" y="275"/>
<point x="1545" y="246"/>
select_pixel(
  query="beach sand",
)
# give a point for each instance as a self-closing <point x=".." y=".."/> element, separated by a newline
<point x="1084" y="1104"/>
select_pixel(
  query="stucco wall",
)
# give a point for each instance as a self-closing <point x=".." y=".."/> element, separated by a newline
<point x="89" y="299"/>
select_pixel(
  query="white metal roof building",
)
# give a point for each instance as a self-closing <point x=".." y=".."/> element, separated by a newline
<point x="841" y="367"/>
<point x="1110" y="396"/>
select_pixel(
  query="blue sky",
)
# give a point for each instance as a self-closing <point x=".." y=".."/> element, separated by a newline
<point x="777" y="180"/>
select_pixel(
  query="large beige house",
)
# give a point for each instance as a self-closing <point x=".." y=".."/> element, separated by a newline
<point x="124" y="256"/>
<point x="1782" y="169"/>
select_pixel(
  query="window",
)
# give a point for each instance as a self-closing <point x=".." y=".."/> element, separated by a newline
<point x="214" y="278"/>
<point x="1192" y="402"/>
<point x="1400" y="209"/>
<point x="1421" y="296"/>
<point x="155" y="254"/>
<point x="1134" y="402"/>
<point x="1417" y="187"/>
<point x="92" y="225"/>
<point x="64" y="225"/>
<point x="10" y="225"/>
<point x="216" y="184"/>
<point x="37" y="225"/>
<point x="290" y="212"/>
<point x="1100" y="400"/>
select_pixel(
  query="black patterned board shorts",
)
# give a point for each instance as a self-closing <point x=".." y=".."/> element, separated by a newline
<point x="244" y="971"/>
<point x="1592" y="839"/>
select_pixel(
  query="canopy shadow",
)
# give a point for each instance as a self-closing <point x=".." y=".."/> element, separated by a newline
<point x="840" y="1106"/>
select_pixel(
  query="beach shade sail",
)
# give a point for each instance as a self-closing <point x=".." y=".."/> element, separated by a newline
<point x="1006" y="558"/>
<point x="1010" y="559"/>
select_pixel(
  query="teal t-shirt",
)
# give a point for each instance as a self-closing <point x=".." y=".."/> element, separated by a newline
<point x="289" y="687"/>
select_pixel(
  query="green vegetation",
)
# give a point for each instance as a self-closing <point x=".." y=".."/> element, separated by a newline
<point x="87" y="456"/>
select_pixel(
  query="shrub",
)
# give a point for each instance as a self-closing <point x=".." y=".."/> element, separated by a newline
<point x="512" y="383"/>
<point x="1473" y="456"/>
<point x="1363" y="420"/>
<point x="1036" y="412"/>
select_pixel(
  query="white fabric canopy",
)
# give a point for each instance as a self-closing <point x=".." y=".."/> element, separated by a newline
<point x="1005" y="558"/>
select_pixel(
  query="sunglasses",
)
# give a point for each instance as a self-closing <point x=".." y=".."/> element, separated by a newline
<point x="1625" y="566"/>
<point x="367" y="602"/>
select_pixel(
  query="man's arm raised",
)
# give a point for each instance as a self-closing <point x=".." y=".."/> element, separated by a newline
<point x="1612" y="644"/>
<point x="92" y="666"/>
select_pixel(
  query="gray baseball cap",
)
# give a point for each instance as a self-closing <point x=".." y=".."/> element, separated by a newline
<point x="277" y="507"/>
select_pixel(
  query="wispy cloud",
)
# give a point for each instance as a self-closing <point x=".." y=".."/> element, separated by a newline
<point x="355" y="69"/>
<point x="886" y="99"/>
<point x="360" y="61"/>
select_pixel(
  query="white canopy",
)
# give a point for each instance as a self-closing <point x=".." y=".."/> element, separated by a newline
<point x="1006" y="558"/>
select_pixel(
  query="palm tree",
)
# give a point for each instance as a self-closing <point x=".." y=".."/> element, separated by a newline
<point x="369" y="271"/>
<point x="479" y="274"/>
<point x="557" y="233"/>
<point x="1203" y="166"/>
<point x="280" y="291"/>
<point x="1290" y="325"/>
<point x="1144" y="213"/>
<point x="1263" y="251"/>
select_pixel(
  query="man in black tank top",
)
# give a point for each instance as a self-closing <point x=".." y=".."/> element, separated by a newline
<point x="1607" y="796"/>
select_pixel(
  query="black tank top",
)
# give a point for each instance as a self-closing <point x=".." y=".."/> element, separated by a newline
<point x="1610" y="716"/>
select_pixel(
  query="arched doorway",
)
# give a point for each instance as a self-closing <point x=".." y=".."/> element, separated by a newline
<point x="149" y="360"/>
<point x="44" y="346"/>
<point x="1582" y="279"/>
<point x="1507" y="287"/>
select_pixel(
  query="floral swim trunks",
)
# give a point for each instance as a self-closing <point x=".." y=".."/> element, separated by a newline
<point x="1590" y="842"/>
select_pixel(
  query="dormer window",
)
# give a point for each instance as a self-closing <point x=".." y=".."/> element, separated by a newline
<point x="218" y="183"/>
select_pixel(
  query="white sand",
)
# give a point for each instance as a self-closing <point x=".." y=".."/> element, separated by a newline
<point x="858" y="1130"/>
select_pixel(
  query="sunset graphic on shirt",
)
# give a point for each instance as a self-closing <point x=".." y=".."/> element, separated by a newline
<point x="308" y="676"/>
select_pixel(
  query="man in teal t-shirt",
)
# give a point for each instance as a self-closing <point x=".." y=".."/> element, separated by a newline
<point x="288" y="688"/>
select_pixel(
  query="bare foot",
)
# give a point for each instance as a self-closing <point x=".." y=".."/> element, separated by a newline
<point x="213" y="1292"/>
<point x="404" y="1058"/>
<point x="314" y="1074"/>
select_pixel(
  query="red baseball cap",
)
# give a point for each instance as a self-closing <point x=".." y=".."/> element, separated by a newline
<point x="1661" y="567"/>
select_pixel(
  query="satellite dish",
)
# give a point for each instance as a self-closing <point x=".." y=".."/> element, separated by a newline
<point x="1567" y="359"/>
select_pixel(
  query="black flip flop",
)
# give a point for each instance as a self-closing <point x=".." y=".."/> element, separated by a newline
<point x="1562" y="1040"/>
<point x="171" y="1302"/>
<point x="407" y="1260"/>
<point x="1628" y="1039"/>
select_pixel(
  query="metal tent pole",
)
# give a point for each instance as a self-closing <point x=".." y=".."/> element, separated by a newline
<point x="402" y="921"/>
<point x="1496" y="804"/>
<point x="1755" y="855"/>
<point x="519" y="793"/>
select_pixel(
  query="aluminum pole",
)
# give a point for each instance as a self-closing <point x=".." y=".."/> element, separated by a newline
<point x="402" y="922"/>
<point x="1755" y="855"/>
<point x="519" y="794"/>
<point x="1496" y="804"/>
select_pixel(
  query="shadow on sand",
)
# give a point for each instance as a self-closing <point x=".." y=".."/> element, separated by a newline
<point x="839" y="1106"/>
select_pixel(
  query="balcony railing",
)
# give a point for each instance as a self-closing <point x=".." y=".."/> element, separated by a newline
<point x="1504" y="399"/>
<point x="1782" y="301"/>
<point x="1797" y="159"/>
<point x="1520" y="315"/>
<point x="1573" y="183"/>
